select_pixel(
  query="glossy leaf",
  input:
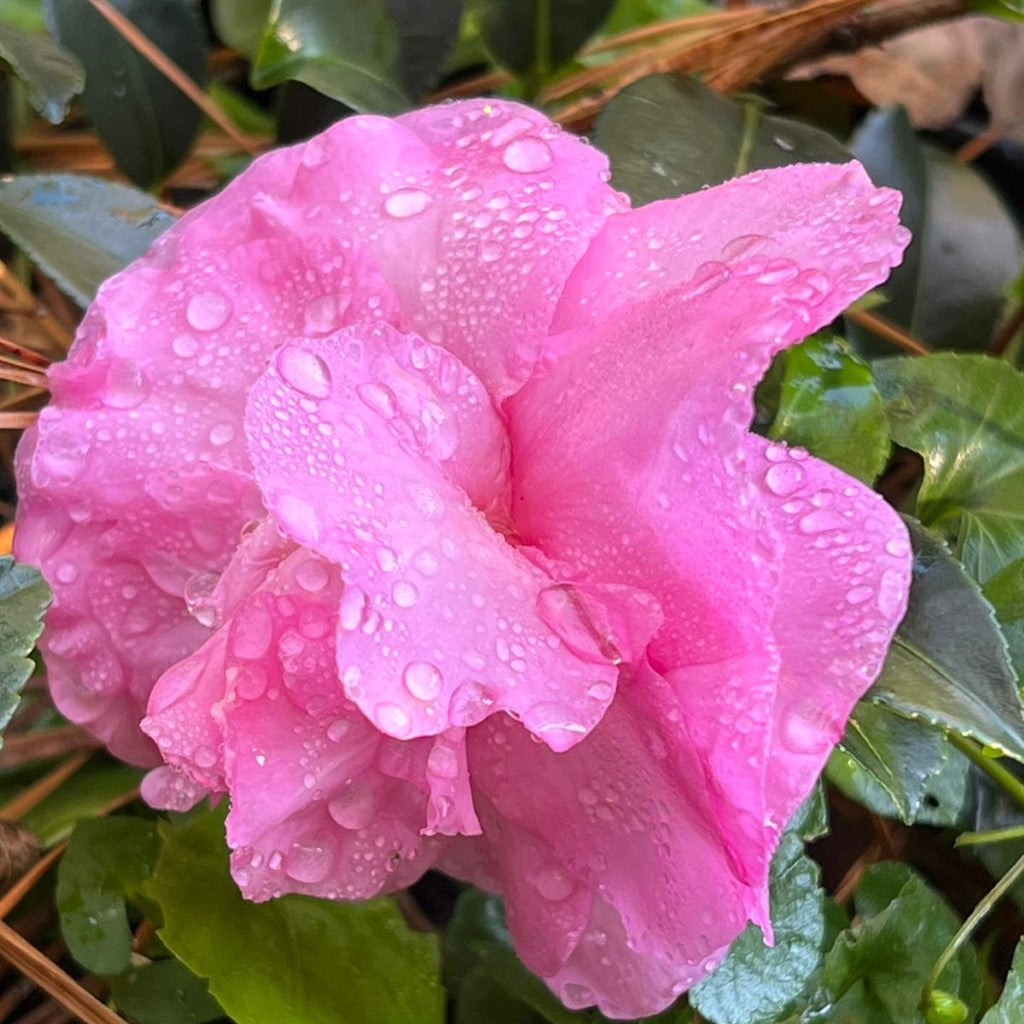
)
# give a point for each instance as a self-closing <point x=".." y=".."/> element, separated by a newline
<point x="52" y="75"/>
<point x="1010" y="1007"/>
<point x="888" y="763"/>
<point x="1005" y="592"/>
<point x="427" y="34"/>
<point x="240" y="23"/>
<point x="828" y="404"/>
<point x="758" y="984"/>
<point x="79" y="230"/>
<point x="163" y="992"/>
<point x="24" y="597"/>
<point x="965" y="416"/>
<point x="294" y="958"/>
<point x="875" y="972"/>
<point x="966" y="248"/>
<point x="534" y="37"/>
<point x="948" y="662"/>
<point x="351" y="58"/>
<point x="146" y="122"/>
<point x="666" y="135"/>
<point x="87" y="794"/>
<point x="106" y="860"/>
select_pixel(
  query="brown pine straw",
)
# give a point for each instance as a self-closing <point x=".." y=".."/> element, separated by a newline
<point x="884" y="329"/>
<point x="42" y="788"/>
<point x="17" y="420"/>
<point x="167" y="67"/>
<point x="21" y="888"/>
<point x="44" y="743"/>
<point x="62" y="988"/>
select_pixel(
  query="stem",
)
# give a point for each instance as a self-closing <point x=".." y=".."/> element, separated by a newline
<point x="977" y="915"/>
<point x="995" y="835"/>
<point x="1001" y="776"/>
<point x="890" y="332"/>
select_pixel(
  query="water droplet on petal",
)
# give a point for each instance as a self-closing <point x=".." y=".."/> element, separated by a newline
<point x="353" y="608"/>
<point x="312" y="576"/>
<point x="784" y="478"/>
<point x="353" y="807"/>
<point x="404" y="594"/>
<point x="221" y="434"/>
<point x="858" y="595"/>
<point x="422" y="680"/>
<point x="471" y="703"/>
<point x="898" y="547"/>
<point x="552" y="881"/>
<point x="305" y="371"/>
<point x="309" y="859"/>
<point x="394" y="720"/>
<point x="379" y="398"/>
<point x="208" y="310"/>
<point x="443" y="761"/>
<point x="406" y="202"/>
<point x="185" y="346"/>
<point x="298" y="517"/>
<point x="527" y="155"/>
<point x="807" y="729"/>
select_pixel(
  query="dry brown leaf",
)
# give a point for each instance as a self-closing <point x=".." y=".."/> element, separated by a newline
<point x="935" y="71"/>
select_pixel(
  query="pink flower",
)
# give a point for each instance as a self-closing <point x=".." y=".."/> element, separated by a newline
<point x="405" y="493"/>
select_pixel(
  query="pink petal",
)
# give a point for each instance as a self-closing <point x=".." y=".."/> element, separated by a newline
<point x="613" y="849"/>
<point x="475" y="211"/>
<point x="822" y="232"/>
<point x="843" y="585"/>
<point x="360" y="444"/>
<point x="634" y="469"/>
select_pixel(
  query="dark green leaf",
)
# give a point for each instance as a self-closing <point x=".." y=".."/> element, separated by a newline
<point x="24" y="596"/>
<point x="240" y="23"/>
<point x="1010" y="1007"/>
<point x="630" y="14"/>
<point x="79" y="230"/>
<point x="965" y="416"/>
<point x="666" y="135"/>
<point x="146" y="122"/>
<point x="106" y="860"/>
<point x="828" y="404"/>
<point x="948" y="662"/>
<point x="163" y="992"/>
<point x="757" y="984"/>
<point x="948" y="292"/>
<point x="87" y="794"/>
<point x="52" y="75"/>
<point x="350" y="56"/>
<point x="533" y="37"/>
<point x="1005" y="592"/>
<point x="887" y="763"/>
<point x="876" y="971"/>
<point x="426" y="34"/>
<point x="291" y="959"/>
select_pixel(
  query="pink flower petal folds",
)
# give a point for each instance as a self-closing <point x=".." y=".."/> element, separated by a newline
<point x="405" y="493"/>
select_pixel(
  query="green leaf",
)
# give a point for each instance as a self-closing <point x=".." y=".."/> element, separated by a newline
<point x="1005" y="592"/>
<point x="24" y="597"/>
<point x="24" y="14"/>
<point x="52" y="75"/>
<point x="533" y="37"/>
<point x="241" y="23"/>
<point x="79" y="230"/>
<point x="163" y="992"/>
<point x="948" y="662"/>
<point x="87" y="794"/>
<point x="965" y="416"/>
<point x="756" y="984"/>
<point x="1011" y="10"/>
<point x="887" y="763"/>
<point x="1010" y="1007"/>
<point x="294" y="958"/>
<point x="965" y="249"/>
<point x="876" y="971"/>
<point x="146" y="122"/>
<point x="829" y="404"/>
<point x="106" y="860"/>
<point x="630" y="14"/>
<point x="351" y="58"/>
<point x="666" y="135"/>
<point x="427" y="34"/>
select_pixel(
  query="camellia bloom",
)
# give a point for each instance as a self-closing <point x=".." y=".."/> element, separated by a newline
<point x="405" y="493"/>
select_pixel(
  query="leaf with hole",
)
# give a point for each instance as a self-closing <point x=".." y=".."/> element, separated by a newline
<point x="79" y="230"/>
<point x="24" y="597"/>
<point x="52" y="75"/>
<point x="948" y="662"/>
<point x="353" y="59"/>
<point x="666" y="135"/>
<point x="146" y="122"/>
<point x="965" y="247"/>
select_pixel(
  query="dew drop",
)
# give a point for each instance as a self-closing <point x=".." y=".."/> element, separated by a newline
<point x="353" y="608"/>
<point x="404" y="594"/>
<point x="406" y="202"/>
<point x="185" y="346"/>
<point x="208" y="310"/>
<point x="423" y="680"/>
<point x="898" y="547"/>
<point x="858" y="595"/>
<point x="309" y="860"/>
<point x="443" y="761"/>
<point x="305" y="371"/>
<point x="354" y="807"/>
<point x="393" y="719"/>
<point x="553" y="882"/>
<point x="221" y="434"/>
<point x="379" y="398"/>
<point x="784" y="478"/>
<point x="527" y="155"/>
<point x="312" y="576"/>
<point x="471" y="703"/>
<point x="67" y="572"/>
